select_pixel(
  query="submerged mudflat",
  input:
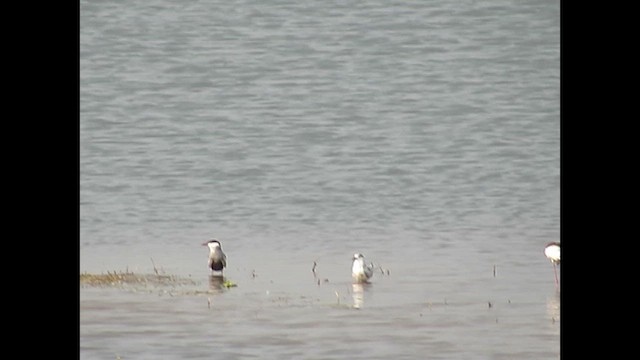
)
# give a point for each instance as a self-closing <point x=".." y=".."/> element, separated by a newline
<point x="151" y="282"/>
<point x="122" y="278"/>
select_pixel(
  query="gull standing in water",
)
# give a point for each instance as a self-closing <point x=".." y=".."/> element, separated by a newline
<point x="217" y="258"/>
<point x="552" y="252"/>
<point x="360" y="272"/>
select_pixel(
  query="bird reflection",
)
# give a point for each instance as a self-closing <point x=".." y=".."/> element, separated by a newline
<point x="553" y="307"/>
<point x="216" y="283"/>
<point x="358" y="294"/>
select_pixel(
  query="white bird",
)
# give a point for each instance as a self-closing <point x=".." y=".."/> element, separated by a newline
<point x="217" y="258"/>
<point x="552" y="252"/>
<point x="360" y="272"/>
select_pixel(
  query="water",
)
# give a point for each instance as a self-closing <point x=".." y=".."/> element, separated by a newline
<point x="423" y="134"/>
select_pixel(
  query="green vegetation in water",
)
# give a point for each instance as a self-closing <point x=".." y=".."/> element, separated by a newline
<point x="229" y="284"/>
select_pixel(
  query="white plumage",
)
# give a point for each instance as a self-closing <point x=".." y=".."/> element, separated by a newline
<point x="360" y="272"/>
<point x="552" y="252"/>
<point x="217" y="258"/>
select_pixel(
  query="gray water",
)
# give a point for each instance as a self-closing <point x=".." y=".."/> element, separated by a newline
<point x="424" y="134"/>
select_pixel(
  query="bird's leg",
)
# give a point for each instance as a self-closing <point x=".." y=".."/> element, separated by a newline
<point x="555" y="272"/>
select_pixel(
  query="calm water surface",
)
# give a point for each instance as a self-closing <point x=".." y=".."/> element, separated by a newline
<point x="423" y="134"/>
